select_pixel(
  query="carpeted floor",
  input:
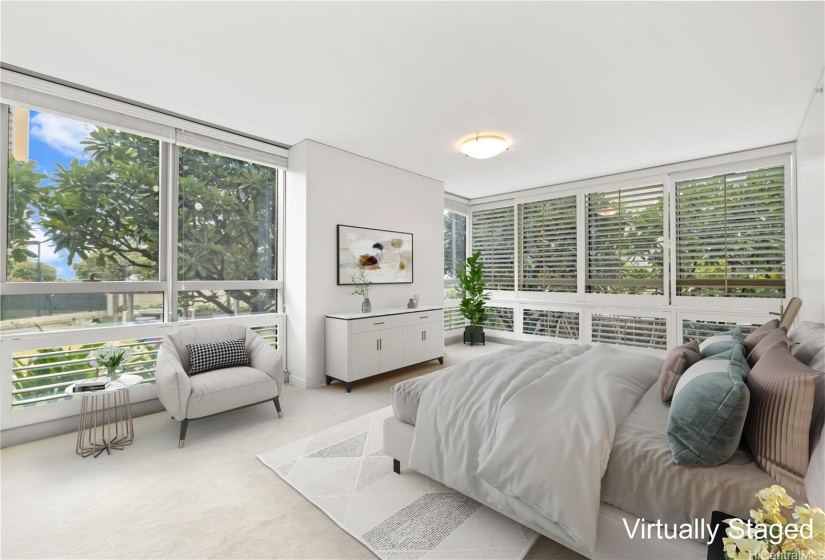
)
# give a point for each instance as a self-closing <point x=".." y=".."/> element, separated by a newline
<point x="212" y="499"/>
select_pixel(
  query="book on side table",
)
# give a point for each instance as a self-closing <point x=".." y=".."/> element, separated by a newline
<point x="95" y="384"/>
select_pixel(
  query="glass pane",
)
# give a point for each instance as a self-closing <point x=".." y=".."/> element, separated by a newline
<point x="499" y="319"/>
<point x="270" y="333"/>
<point x="700" y="330"/>
<point x="227" y="215"/>
<point x="83" y="201"/>
<point x="628" y="330"/>
<point x="52" y="312"/>
<point x="453" y="319"/>
<point x="41" y="376"/>
<point x="557" y="324"/>
<point x="455" y="244"/>
<point x="203" y="304"/>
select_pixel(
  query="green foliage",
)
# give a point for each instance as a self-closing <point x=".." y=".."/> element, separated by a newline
<point x="471" y="277"/>
<point x="625" y="250"/>
<point x="455" y="242"/>
<point x="108" y="205"/>
<point x="105" y="213"/>
<point x="27" y="272"/>
<point x="23" y="182"/>
<point x="362" y="285"/>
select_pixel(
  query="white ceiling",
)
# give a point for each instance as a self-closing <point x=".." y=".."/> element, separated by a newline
<point x="581" y="89"/>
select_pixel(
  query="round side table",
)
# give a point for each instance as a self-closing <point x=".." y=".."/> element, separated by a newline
<point x="105" y="417"/>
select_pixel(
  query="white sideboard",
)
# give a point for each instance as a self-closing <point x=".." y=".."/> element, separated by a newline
<point x="360" y="345"/>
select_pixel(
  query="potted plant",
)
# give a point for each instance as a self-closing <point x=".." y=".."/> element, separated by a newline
<point x="473" y="303"/>
<point x="362" y="288"/>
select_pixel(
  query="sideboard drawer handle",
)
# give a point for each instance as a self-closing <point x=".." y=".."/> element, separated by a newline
<point x="424" y="317"/>
<point x="381" y="323"/>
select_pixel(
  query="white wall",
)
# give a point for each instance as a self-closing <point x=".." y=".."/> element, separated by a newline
<point x="327" y="187"/>
<point x="810" y="181"/>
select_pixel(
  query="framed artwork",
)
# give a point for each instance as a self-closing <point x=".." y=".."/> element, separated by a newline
<point x="386" y="257"/>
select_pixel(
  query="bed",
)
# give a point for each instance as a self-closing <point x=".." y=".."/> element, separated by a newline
<point x="494" y="443"/>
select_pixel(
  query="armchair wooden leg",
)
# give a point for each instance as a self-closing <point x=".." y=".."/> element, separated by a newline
<point x="396" y="466"/>
<point x="277" y="402"/>
<point x="183" y="425"/>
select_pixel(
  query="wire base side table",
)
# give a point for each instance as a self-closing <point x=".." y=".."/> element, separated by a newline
<point x="105" y="418"/>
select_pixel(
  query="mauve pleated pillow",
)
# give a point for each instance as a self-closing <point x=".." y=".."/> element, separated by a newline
<point x="677" y="361"/>
<point x="778" y="424"/>
<point x="756" y="336"/>
<point x="774" y="337"/>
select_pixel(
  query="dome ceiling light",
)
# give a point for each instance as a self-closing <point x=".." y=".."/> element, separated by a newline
<point x="484" y="147"/>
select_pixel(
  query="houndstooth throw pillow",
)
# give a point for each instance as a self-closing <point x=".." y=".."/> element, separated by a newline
<point x="216" y="355"/>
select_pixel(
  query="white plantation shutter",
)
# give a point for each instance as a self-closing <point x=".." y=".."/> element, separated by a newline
<point x="629" y="330"/>
<point x="547" y="237"/>
<point x="493" y="237"/>
<point x="625" y="238"/>
<point x="730" y="234"/>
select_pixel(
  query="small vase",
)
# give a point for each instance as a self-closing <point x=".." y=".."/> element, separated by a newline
<point x="114" y="372"/>
<point x="366" y="306"/>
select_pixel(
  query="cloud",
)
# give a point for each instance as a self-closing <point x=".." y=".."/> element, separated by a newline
<point x="48" y="255"/>
<point x="61" y="134"/>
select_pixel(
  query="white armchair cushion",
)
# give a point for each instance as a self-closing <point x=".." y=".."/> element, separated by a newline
<point x="224" y="389"/>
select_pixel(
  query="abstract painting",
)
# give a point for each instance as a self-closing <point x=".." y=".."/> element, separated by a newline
<point x="386" y="257"/>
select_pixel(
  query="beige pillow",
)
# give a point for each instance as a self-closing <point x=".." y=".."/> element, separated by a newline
<point x="753" y="338"/>
<point x="772" y="338"/>
<point x="677" y="361"/>
<point x="778" y="425"/>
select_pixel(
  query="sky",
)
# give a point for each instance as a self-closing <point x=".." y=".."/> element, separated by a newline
<point x="52" y="140"/>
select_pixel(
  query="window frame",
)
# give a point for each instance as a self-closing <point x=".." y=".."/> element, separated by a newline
<point x="741" y="303"/>
<point x="467" y="248"/>
<point x="19" y="90"/>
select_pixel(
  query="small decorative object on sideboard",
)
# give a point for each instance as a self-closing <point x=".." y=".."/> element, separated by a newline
<point x="411" y="304"/>
<point x="110" y="358"/>
<point x="362" y="288"/>
<point x="473" y="305"/>
<point x="417" y="298"/>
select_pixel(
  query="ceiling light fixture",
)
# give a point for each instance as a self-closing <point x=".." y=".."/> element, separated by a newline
<point x="484" y="147"/>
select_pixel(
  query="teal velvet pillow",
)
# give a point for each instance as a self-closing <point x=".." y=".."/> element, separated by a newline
<point x="721" y="342"/>
<point x="708" y="410"/>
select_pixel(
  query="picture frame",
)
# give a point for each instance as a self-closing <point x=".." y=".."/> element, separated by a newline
<point x="385" y="256"/>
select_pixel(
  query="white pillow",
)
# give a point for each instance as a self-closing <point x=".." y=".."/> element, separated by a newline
<point x="809" y="340"/>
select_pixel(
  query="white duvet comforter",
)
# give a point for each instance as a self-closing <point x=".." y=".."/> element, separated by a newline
<point x="529" y="434"/>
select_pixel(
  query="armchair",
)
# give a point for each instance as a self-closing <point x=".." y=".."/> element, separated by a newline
<point x="214" y="392"/>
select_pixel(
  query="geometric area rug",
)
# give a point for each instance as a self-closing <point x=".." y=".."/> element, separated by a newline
<point x="344" y="472"/>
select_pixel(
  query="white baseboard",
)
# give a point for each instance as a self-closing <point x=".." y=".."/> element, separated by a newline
<point x="60" y="426"/>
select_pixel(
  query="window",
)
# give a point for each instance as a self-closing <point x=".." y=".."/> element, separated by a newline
<point x="500" y="319"/>
<point x="625" y="240"/>
<point x="629" y="330"/>
<point x="730" y="234"/>
<point x="89" y="235"/>
<point x="700" y="330"/>
<point x="83" y="201"/>
<point x="40" y="376"/>
<point x="549" y="247"/>
<point x="453" y="319"/>
<point x="493" y="237"/>
<point x="227" y="231"/>
<point x="227" y="218"/>
<point x="556" y="324"/>
<point x="455" y="252"/>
